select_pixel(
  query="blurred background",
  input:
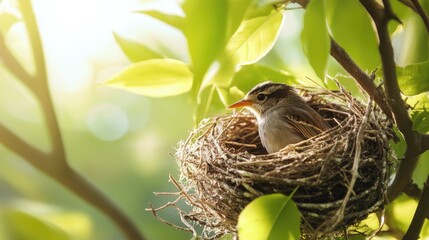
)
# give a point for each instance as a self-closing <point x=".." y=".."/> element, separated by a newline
<point x="121" y="141"/>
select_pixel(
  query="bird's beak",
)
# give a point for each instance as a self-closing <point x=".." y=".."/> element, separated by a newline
<point x="241" y="103"/>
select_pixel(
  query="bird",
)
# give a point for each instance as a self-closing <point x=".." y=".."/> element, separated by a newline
<point x="283" y="117"/>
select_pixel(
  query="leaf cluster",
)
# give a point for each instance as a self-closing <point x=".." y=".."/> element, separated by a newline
<point x="225" y="44"/>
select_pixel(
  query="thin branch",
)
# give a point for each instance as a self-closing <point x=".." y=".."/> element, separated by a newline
<point x="363" y="79"/>
<point x="11" y="141"/>
<point x="424" y="143"/>
<point x="381" y="16"/>
<point x="69" y="178"/>
<point x="53" y="163"/>
<point x="420" y="214"/>
<point x="302" y="3"/>
<point x="79" y="185"/>
<point x="41" y="79"/>
<point x="409" y="4"/>
<point x="35" y="40"/>
<point x="421" y="12"/>
<point x="11" y="63"/>
<point x="413" y="191"/>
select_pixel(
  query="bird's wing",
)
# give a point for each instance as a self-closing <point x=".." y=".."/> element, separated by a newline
<point x="303" y="122"/>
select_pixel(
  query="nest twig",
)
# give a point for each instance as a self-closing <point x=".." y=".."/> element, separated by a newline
<point x="341" y="174"/>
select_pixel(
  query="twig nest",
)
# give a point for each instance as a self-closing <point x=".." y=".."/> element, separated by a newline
<point x="340" y="175"/>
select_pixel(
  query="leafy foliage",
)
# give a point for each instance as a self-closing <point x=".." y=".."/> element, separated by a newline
<point x="260" y="32"/>
<point x="414" y="79"/>
<point x="420" y="121"/>
<point x="206" y="34"/>
<point x="172" y="20"/>
<point x="270" y="217"/>
<point x="345" y="15"/>
<point x="315" y="37"/>
<point x="155" y="78"/>
<point x="134" y="50"/>
<point x="219" y="43"/>
<point x="26" y="226"/>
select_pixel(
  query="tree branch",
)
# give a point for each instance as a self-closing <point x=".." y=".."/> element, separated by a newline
<point x="53" y="163"/>
<point x="413" y="191"/>
<point x="22" y="148"/>
<point x="365" y="81"/>
<point x="425" y="143"/>
<point x="381" y="16"/>
<point x="69" y="178"/>
<point x="302" y="3"/>
<point x="79" y="185"/>
<point x="420" y="214"/>
<point x="35" y="40"/>
<point x="41" y="79"/>
<point x="421" y="12"/>
<point x="11" y="63"/>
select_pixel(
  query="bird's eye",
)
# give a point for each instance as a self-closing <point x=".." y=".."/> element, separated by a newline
<point x="261" y="97"/>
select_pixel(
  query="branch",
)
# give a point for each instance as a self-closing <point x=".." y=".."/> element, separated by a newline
<point x="413" y="191"/>
<point x="381" y="16"/>
<point x="11" y="63"/>
<point x="421" y="12"/>
<point x="363" y="79"/>
<point x="420" y="214"/>
<point x="53" y="163"/>
<point x="79" y="185"/>
<point x="424" y="143"/>
<point x="11" y="141"/>
<point x="36" y="43"/>
<point x="302" y="3"/>
<point x="69" y="178"/>
<point x="41" y="79"/>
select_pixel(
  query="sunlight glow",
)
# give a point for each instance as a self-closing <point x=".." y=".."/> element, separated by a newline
<point x="107" y="122"/>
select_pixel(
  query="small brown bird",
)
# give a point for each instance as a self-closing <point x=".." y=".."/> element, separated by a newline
<point x="283" y="116"/>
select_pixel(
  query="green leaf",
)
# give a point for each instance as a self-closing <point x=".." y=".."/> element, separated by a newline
<point x="224" y="72"/>
<point x="223" y="94"/>
<point x="420" y="121"/>
<point x="172" y="20"/>
<point x="414" y="79"/>
<point x="7" y="20"/>
<point x="315" y="37"/>
<point x="413" y="33"/>
<point x="135" y="51"/>
<point x="226" y="237"/>
<point x="248" y="76"/>
<point x="23" y="225"/>
<point x="258" y="10"/>
<point x="400" y="146"/>
<point x="205" y="29"/>
<point x="254" y="38"/>
<point x="270" y="217"/>
<point x="235" y="17"/>
<point x="208" y="104"/>
<point x="154" y="78"/>
<point x="345" y="15"/>
<point x="236" y="93"/>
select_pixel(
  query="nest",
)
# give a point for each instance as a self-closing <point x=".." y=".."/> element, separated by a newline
<point x="340" y="176"/>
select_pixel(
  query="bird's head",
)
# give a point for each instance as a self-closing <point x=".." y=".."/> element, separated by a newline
<point x="263" y="97"/>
